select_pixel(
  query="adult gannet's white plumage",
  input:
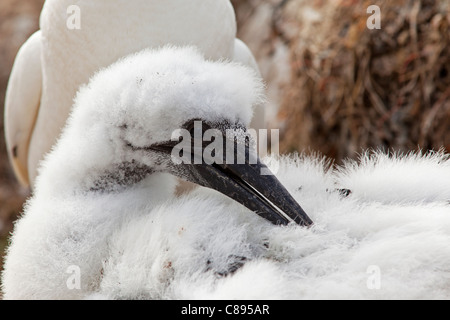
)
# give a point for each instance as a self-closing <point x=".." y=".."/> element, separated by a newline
<point x="104" y="205"/>
<point x="57" y="60"/>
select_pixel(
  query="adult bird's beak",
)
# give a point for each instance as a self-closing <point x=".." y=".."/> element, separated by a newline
<point x="250" y="183"/>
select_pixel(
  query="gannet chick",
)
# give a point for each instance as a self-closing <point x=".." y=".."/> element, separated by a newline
<point x="115" y="163"/>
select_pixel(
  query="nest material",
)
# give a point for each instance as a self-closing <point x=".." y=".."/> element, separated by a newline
<point x="354" y="88"/>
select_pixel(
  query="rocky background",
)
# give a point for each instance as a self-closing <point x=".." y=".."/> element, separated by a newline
<point x="338" y="87"/>
<point x="334" y="86"/>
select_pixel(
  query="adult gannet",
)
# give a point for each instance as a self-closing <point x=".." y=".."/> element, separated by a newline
<point x="60" y="57"/>
<point x="114" y="165"/>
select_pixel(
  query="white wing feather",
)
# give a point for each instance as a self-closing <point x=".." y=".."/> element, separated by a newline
<point x="22" y="104"/>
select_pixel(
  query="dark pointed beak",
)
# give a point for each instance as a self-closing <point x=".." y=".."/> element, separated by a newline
<point x="250" y="183"/>
<point x="262" y="194"/>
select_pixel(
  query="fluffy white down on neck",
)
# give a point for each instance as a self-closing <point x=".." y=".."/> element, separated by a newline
<point x="389" y="239"/>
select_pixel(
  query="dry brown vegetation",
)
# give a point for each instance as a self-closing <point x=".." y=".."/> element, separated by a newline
<point x="351" y="88"/>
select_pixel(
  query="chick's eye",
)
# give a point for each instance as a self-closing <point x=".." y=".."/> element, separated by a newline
<point x="197" y="128"/>
<point x="205" y="127"/>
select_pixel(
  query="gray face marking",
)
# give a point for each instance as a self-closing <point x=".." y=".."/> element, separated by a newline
<point x="121" y="176"/>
